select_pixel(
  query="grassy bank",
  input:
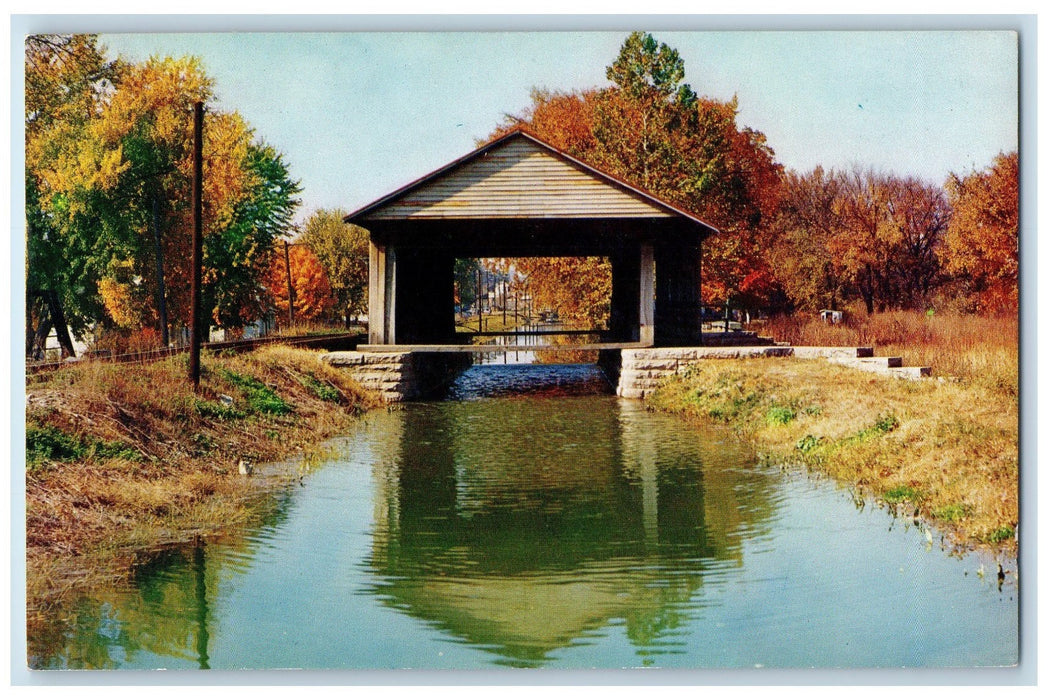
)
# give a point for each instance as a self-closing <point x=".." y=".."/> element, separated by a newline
<point x="980" y="350"/>
<point x="126" y="456"/>
<point x="947" y="450"/>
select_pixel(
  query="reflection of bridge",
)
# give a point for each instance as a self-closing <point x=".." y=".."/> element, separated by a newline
<point x="527" y="556"/>
<point x="521" y="197"/>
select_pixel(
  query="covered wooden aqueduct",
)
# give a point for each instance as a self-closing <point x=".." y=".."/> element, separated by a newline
<point x="518" y="197"/>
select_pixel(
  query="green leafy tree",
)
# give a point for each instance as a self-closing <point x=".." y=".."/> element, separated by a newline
<point x="342" y="250"/>
<point x="238" y="256"/>
<point x="68" y="79"/>
<point x="466" y="271"/>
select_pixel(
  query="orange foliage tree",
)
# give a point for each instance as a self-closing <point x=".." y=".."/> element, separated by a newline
<point x="982" y="242"/>
<point x="650" y="129"/>
<point x="310" y="288"/>
<point x="579" y="289"/>
<point x="861" y="235"/>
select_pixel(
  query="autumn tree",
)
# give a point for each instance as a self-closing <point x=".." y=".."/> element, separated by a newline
<point x="148" y="122"/>
<point x="982" y="241"/>
<point x="310" y="288"/>
<point x="811" y="276"/>
<point x="651" y="129"/>
<point x="342" y="250"/>
<point x="108" y="192"/>
<point x="858" y="234"/>
<point x="578" y="289"/>
<point x="67" y="79"/>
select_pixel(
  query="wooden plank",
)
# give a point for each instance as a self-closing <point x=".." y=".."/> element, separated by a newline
<point x="390" y="312"/>
<point x="529" y="333"/>
<point x="517" y="180"/>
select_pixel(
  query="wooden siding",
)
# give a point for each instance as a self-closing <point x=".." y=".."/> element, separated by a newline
<point x="517" y="179"/>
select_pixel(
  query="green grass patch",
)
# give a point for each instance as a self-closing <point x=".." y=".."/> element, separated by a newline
<point x="882" y="426"/>
<point x="779" y="415"/>
<point x="260" y="398"/>
<point x="902" y="494"/>
<point x="1005" y="532"/>
<point x="49" y="444"/>
<point x="215" y="409"/>
<point x="809" y="443"/>
<point x="322" y="390"/>
<point x="952" y="512"/>
<point x="202" y="444"/>
<point x="730" y="408"/>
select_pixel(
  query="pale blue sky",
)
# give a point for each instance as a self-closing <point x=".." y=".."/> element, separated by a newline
<point x="358" y="115"/>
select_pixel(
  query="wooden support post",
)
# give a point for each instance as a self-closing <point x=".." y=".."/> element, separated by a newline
<point x="647" y="293"/>
<point x="290" y="287"/>
<point x="390" y="311"/>
<point x="376" y="294"/>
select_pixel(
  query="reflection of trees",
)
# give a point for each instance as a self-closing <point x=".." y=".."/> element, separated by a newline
<point x="606" y="520"/>
<point x="165" y="609"/>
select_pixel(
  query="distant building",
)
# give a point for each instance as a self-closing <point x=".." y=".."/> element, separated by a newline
<point x="831" y="316"/>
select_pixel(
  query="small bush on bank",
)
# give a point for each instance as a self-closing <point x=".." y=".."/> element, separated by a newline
<point x="49" y="444"/>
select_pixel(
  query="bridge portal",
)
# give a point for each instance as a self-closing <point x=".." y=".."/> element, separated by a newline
<point x="521" y="197"/>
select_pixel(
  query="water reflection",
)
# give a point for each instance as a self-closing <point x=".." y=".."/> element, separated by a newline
<point x="605" y="520"/>
<point x="554" y="530"/>
<point x="164" y="613"/>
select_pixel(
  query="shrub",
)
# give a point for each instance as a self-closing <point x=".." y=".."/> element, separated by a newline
<point x="1005" y="532"/>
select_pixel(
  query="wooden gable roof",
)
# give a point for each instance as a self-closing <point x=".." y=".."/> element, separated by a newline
<point x="518" y="176"/>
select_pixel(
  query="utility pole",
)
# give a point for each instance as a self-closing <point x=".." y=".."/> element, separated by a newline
<point x="198" y="244"/>
<point x="290" y="288"/>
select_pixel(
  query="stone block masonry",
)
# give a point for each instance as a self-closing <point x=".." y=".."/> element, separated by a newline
<point x="401" y="376"/>
<point x="641" y="371"/>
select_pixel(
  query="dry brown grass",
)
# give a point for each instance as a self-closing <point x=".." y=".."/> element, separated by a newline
<point x="124" y="456"/>
<point x="947" y="449"/>
<point x="980" y="350"/>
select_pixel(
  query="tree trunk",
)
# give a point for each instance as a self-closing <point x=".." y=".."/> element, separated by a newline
<point x="36" y="338"/>
<point x="40" y="338"/>
<point x="29" y="333"/>
<point x="161" y="296"/>
<point x="59" y="320"/>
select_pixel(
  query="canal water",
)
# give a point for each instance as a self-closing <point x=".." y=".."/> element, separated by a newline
<point x="534" y="520"/>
